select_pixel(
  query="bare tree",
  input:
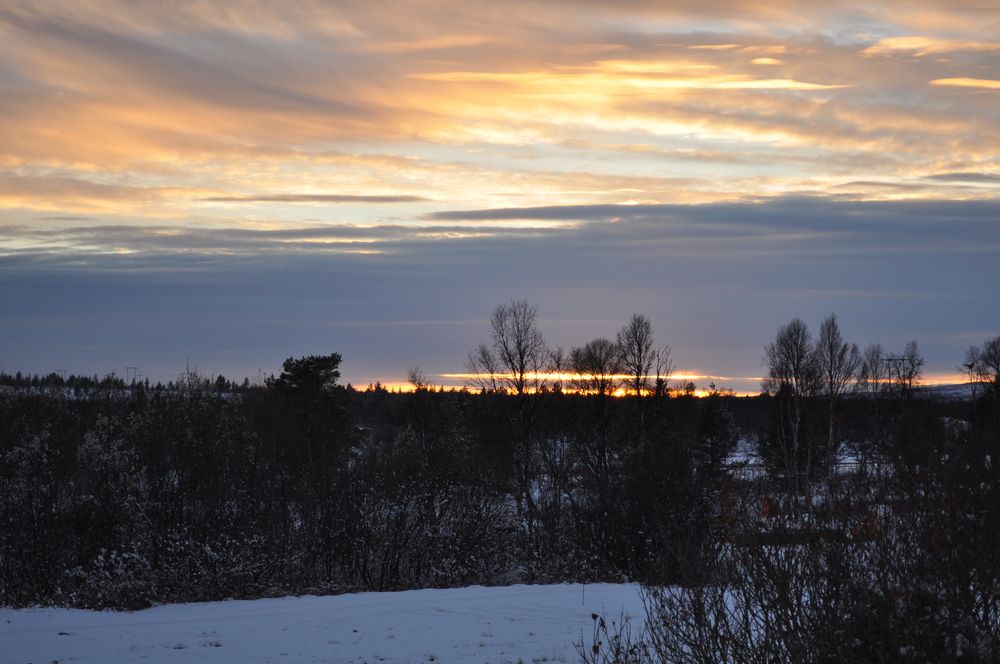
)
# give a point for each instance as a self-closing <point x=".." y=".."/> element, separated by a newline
<point x="970" y="367"/>
<point x="515" y="359"/>
<point x="792" y="376"/>
<point x="873" y="381"/>
<point x="837" y="363"/>
<point x="988" y="363"/>
<point x="514" y="362"/>
<point x="906" y="368"/>
<point x="635" y="345"/>
<point x="596" y="365"/>
<point x="484" y="369"/>
<point x="663" y="367"/>
<point x="873" y="374"/>
<point x="790" y="360"/>
<point x="417" y="378"/>
<point x="558" y="364"/>
<point x="982" y="366"/>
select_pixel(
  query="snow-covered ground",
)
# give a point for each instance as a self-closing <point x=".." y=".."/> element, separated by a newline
<point x="509" y="624"/>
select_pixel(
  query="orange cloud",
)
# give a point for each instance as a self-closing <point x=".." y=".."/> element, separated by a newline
<point x="440" y="103"/>
<point x="963" y="82"/>
<point x="921" y="46"/>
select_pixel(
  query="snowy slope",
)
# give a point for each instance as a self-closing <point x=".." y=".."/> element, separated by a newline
<point x="526" y="623"/>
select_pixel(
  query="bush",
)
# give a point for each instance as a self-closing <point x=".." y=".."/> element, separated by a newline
<point x="113" y="580"/>
<point x="897" y="564"/>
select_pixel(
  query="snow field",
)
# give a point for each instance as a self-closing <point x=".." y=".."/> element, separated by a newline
<point x="521" y="623"/>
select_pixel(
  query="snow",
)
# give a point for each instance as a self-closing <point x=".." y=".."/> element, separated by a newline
<point x="476" y="624"/>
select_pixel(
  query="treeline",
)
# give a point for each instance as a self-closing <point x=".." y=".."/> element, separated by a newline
<point x="184" y="495"/>
<point x="81" y="386"/>
<point x="301" y="484"/>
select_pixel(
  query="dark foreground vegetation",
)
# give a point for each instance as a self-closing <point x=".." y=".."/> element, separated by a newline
<point x="868" y="528"/>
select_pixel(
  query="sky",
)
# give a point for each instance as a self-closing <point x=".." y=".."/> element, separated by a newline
<point x="219" y="186"/>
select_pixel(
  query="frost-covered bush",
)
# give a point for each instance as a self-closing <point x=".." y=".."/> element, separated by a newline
<point x="902" y="566"/>
<point x="112" y="580"/>
<point x="224" y="566"/>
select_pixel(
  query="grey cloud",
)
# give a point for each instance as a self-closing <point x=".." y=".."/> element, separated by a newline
<point x="318" y="239"/>
<point x="54" y="188"/>
<point x="783" y="231"/>
<point x="985" y="178"/>
<point x="246" y="308"/>
<point x="882" y="185"/>
<point x="237" y="84"/>
<point x="783" y="228"/>
<point x="790" y="209"/>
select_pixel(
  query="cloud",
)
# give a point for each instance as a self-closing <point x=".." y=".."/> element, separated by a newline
<point x="238" y="299"/>
<point x="190" y="102"/>
<point x="131" y="58"/>
<point x="315" y="239"/>
<point x="824" y="226"/>
<point x="813" y="225"/>
<point x="792" y="207"/>
<point x="431" y="44"/>
<point x="920" y="46"/>
<point x="714" y="47"/>
<point x="598" y="83"/>
<point x="315" y="198"/>
<point x="963" y="82"/>
<point x="40" y="191"/>
<point x="985" y="178"/>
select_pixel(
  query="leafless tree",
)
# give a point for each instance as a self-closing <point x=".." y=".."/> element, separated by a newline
<point x="417" y="378"/>
<point x="514" y="360"/>
<point x="663" y="368"/>
<point x="791" y="361"/>
<point x="635" y="345"/>
<point x="484" y="369"/>
<point x="792" y="375"/>
<point x="988" y="363"/>
<point x="970" y="367"/>
<point x="906" y="368"/>
<point x="873" y="381"/>
<point x="837" y="363"/>
<point x="873" y="375"/>
<point x="988" y="366"/>
<point x="596" y="365"/>
<point x="982" y="366"/>
<point x="558" y="364"/>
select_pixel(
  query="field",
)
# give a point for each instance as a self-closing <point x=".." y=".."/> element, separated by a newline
<point x="476" y="624"/>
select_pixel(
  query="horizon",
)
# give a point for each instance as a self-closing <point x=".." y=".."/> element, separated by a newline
<point x="676" y="381"/>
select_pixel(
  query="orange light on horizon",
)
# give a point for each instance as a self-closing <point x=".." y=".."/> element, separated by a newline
<point x="678" y="378"/>
<point x="571" y="376"/>
<point x="620" y="392"/>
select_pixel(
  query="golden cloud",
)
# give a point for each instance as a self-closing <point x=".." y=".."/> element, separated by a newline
<point x="963" y="82"/>
<point x="921" y="46"/>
